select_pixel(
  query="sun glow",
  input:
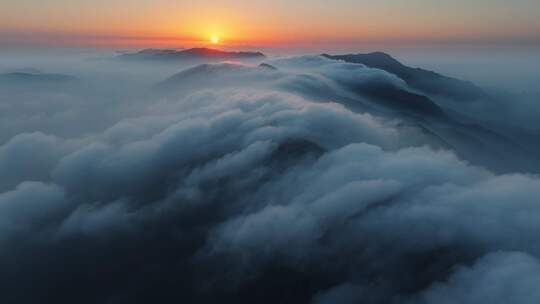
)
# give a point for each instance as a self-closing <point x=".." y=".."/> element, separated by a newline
<point x="214" y="40"/>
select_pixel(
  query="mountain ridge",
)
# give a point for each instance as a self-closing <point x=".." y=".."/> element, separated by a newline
<point x="21" y="78"/>
<point x="188" y="54"/>
<point x="420" y="79"/>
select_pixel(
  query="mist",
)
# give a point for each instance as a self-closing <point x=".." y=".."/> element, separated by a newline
<point x="290" y="178"/>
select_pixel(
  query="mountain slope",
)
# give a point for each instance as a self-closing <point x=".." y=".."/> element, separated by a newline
<point x="426" y="81"/>
<point x="24" y="79"/>
<point x="189" y="54"/>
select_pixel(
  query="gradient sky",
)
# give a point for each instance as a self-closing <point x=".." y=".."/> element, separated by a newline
<point x="277" y="22"/>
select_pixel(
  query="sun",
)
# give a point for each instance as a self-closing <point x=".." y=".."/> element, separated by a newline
<point x="214" y="40"/>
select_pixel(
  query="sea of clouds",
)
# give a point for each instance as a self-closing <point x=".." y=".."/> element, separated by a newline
<point x="238" y="183"/>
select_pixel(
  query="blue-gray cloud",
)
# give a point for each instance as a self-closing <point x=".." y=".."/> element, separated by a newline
<point x="240" y="183"/>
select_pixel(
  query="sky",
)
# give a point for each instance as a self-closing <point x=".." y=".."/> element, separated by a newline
<point x="305" y="180"/>
<point x="300" y="23"/>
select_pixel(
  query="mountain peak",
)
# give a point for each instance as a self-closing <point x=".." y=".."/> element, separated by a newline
<point x="426" y="81"/>
<point x="188" y="54"/>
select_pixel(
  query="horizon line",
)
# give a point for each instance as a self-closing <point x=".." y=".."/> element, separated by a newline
<point x="44" y="39"/>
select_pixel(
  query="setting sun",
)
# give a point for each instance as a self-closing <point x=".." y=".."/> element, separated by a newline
<point x="214" y="39"/>
<point x="269" y="151"/>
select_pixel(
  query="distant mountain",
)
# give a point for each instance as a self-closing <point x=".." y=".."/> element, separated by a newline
<point x="267" y="66"/>
<point x="396" y="98"/>
<point x="25" y="70"/>
<point x="189" y="54"/>
<point x="217" y="75"/>
<point x="426" y="81"/>
<point x="34" y="78"/>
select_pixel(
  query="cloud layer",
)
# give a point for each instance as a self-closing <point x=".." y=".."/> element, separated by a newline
<point x="233" y="183"/>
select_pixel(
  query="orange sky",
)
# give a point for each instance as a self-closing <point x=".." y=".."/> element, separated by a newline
<point x="271" y="23"/>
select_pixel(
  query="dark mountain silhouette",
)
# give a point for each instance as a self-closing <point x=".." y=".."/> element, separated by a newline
<point x="35" y="78"/>
<point x="267" y="66"/>
<point x="25" y="70"/>
<point x="396" y="98"/>
<point x="203" y="74"/>
<point x="189" y="54"/>
<point x="426" y="81"/>
<point x="218" y="75"/>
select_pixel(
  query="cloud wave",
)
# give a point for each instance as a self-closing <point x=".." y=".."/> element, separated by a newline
<point x="241" y="183"/>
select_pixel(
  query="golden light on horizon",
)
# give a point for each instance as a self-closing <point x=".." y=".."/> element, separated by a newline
<point x="214" y="39"/>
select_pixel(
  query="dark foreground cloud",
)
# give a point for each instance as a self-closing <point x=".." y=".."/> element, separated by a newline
<point x="245" y="188"/>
